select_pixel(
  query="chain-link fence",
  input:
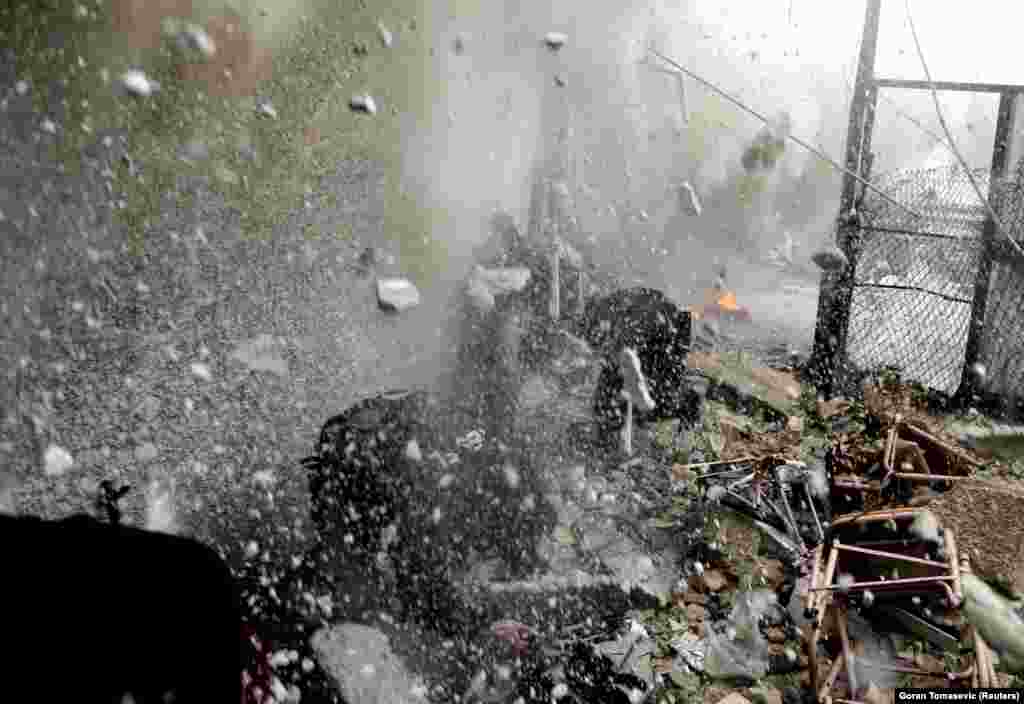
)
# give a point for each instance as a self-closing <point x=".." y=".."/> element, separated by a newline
<point x="1002" y="340"/>
<point x="915" y="280"/>
<point x="915" y="274"/>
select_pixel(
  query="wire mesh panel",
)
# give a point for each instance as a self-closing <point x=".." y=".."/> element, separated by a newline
<point x="915" y="274"/>
<point x="1002" y="341"/>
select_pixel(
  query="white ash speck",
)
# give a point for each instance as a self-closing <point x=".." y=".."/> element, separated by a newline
<point x="267" y="110"/>
<point x="202" y="371"/>
<point x="252" y="549"/>
<point x="264" y="476"/>
<point x="845" y="582"/>
<point x="307" y="665"/>
<point x="436" y="515"/>
<point x="560" y="691"/>
<point x="57" y="461"/>
<point x="21" y="87"/>
<point x="413" y="452"/>
<point x="716" y="493"/>
<point x="368" y="670"/>
<point x="446" y="481"/>
<point x="48" y="126"/>
<point x="512" y="478"/>
<point x="868" y="598"/>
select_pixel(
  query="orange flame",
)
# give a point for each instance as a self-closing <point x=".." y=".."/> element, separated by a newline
<point x="728" y="302"/>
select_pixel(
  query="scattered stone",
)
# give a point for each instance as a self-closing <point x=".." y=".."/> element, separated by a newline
<point x="146" y="452"/>
<point x="714" y="581"/>
<point x="21" y="87"/>
<point x="195" y="38"/>
<point x="57" y="461"/>
<point x="386" y="38"/>
<point x="48" y="126"/>
<point x="555" y="40"/>
<point x="136" y="83"/>
<point x="160" y="514"/>
<point x="830" y="258"/>
<point x="397" y="295"/>
<point x="361" y="662"/>
<point x="363" y="103"/>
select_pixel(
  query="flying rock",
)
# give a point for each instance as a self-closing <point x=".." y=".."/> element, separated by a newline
<point x="830" y="258"/>
<point x="363" y="103"/>
<point x="555" y="40"/>
<point x="688" y="200"/>
<point x="267" y="110"/>
<point x="57" y="461"/>
<point x="397" y="295"/>
<point x="386" y="38"/>
<point x="138" y="84"/>
<point x="195" y="38"/>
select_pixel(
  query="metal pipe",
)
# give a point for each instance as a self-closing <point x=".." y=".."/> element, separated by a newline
<point x="814" y="511"/>
<point x="893" y="556"/>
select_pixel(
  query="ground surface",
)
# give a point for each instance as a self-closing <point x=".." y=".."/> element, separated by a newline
<point x="151" y="338"/>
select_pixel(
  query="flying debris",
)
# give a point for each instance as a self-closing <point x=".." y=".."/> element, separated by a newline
<point x="138" y="84"/>
<point x="555" y="40"/>
<point x="688" y="201"/>
<point x="386" y="38"/>
<point x="195" y="38"/>
<point x="830" y="259"/>
<point x="363" y="103"/>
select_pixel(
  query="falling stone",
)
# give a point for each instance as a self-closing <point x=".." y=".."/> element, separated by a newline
<point x="57" y="461"/>
<point x="138" y="84"/>
<point x="555" y="40"/>
<point x="196" y="38"/>
<point x="267" y="110"/>
<point x="21" y="87"/>
<point x="397" y="295"/>
<point x="363" y="103"/>
<point x="386" y="38"/>
<point x="48" y="126"/>
<point x="689" y="201"/>
<point x="830" y="258"/>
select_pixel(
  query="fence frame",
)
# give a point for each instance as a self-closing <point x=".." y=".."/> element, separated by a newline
<point x="829" y="358"/>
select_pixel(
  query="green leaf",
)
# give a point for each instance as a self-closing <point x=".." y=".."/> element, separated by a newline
<point x="565" y="535"/>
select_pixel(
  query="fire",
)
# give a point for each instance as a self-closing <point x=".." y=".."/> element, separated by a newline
<point x="727" y="301"/>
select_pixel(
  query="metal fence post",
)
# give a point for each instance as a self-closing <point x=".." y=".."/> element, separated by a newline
<point x="970" y="382"/>
<point x="837" y="287"/>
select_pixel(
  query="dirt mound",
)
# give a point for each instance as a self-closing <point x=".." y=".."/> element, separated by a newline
<point x="238" y="66"/>
<point x="987" y="518"/>
<point x="139" y="20"/>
